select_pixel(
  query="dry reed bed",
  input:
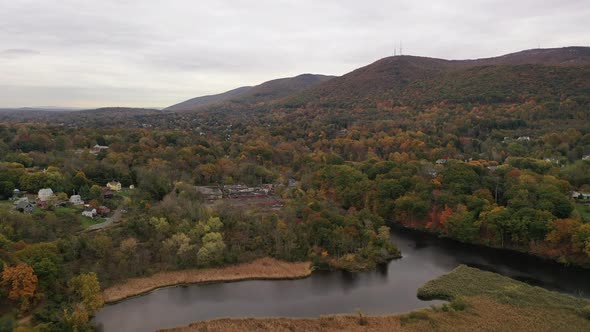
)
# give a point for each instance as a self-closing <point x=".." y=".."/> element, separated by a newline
<point x="482" y="314"/>
<point x="336" y="323"/>
<point x="263" y="268"/>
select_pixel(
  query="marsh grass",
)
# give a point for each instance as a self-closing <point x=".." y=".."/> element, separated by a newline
<point x="465" y="281"/>
<point x="263" y="268"/>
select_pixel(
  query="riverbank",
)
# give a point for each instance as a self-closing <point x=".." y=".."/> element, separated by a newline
<point x="479" y="300"/>
<point x="535" y="252"/>
<point x="263" y="268"/>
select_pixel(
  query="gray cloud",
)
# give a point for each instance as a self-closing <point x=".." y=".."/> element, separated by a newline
<point x="17" y="52"/>
<point x="148" y="52"/>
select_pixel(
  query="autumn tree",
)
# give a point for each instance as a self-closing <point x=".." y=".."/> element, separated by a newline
<point x="460" y="225"/>
<point x="20" y="282"/>
<point x="212" y="250"/>
<point x="85" y="290"/>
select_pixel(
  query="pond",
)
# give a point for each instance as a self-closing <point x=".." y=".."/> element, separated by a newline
<point x="390" y="288"/>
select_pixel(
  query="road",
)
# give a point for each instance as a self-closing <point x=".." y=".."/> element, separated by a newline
<point x="109" y="221"/>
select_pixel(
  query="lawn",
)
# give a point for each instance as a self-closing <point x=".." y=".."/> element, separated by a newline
<point x="6" y="204"/>
<point x="584" y="211"/>
<point x="87" y="222"/>
<point x="66" y="210"/>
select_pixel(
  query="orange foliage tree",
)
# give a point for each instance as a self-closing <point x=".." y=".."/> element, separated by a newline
<point x="20" y="281"/>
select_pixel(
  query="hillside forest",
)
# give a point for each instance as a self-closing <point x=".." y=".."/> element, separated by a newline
<point x="493" y="155"/>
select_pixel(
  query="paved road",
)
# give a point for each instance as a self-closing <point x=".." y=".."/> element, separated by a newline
<point x="113" y="219"/>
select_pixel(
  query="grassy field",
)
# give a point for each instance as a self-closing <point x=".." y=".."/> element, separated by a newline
<point x="478" y="301"/>
<point x="264" y="268"/>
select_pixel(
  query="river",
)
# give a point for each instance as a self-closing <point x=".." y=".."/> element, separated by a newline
<point x="389" y="289"/>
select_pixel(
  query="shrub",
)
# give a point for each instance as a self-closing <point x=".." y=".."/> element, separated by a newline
<point x="458" y="304"/>
<point x="362" y="319"/>
<point x="414" y="316"/>
<point x="7" y="323"/>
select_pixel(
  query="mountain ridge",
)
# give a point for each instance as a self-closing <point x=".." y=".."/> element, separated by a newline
<point x="266" y="91"/>
<point x="399" y="76"/>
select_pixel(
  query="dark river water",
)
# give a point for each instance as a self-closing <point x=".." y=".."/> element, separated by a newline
<point x="389" y="289"/>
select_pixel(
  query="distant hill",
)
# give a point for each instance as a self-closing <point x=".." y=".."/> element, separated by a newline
<point x="40" y="109"/>
<point x="283" y="87"/>
<point x="111" y="116"/>
<point x="118" y="110"/>
<point x="267" y="91"/>
<point x="206" y="100"/>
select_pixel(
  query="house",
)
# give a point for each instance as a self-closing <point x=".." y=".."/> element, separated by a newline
<point x="586" y="157"/>
<point x="524" y="138"/>
<point x="89" y="212"/>
<point x="24" y="206"/>
<point x="97" y="148"/>
<point x="114" y="185"/>
<point x="16" y="194"/>
<point x="76" y="200"/>
<point x="103" y="210"/>
<point x="580" y="196"/>
<point x="441" y="161"/>
<point x="45" y="194"/>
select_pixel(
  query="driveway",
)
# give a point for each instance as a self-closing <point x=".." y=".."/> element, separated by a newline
<point x="109" y="221"/>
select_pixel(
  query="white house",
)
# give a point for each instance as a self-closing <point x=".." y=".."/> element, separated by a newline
<point x="114" y="185"/>
<point x="76" y="200"/>
<point x="580" y="195"/>
<point x="45" y="194"/>
<point x="97" y="148"/>
<point x="89" y="212"/>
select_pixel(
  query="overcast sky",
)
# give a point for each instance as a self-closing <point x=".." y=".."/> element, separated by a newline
<point x="152" y="53"/>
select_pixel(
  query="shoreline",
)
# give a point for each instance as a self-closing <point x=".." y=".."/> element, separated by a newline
<point x="507" y="250"/>
<point x="259" y="269"/>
